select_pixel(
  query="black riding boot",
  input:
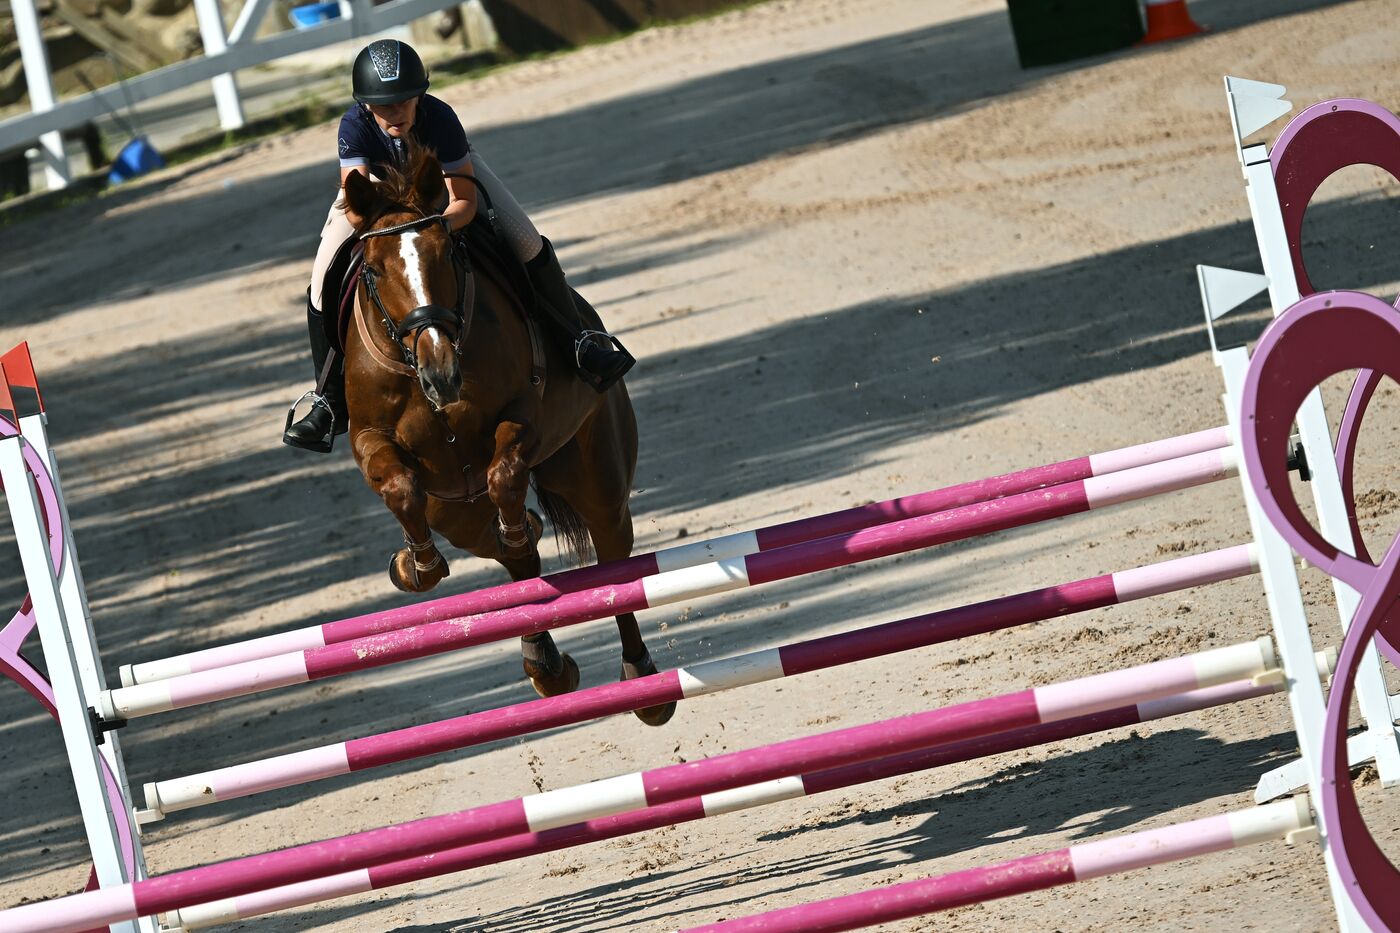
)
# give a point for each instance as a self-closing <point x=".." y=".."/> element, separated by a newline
<point x="600" y="357"/>
<point x="327" y="418"/>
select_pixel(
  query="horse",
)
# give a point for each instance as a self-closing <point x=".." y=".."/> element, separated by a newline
<point x="451" y="419"/>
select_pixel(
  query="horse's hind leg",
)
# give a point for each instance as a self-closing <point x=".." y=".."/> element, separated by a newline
<point x="613" y="541"/>
<point x="509" y="537"/>
<point x="473" y="527"/>
<point x="550" y="670"/>
<point x="593" y="475"/>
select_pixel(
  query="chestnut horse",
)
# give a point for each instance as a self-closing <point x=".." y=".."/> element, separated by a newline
<point x="448" y="422"/>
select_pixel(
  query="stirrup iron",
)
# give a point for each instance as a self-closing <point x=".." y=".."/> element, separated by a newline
<point x="588" y="337"/>
<point x="327" y="443"/>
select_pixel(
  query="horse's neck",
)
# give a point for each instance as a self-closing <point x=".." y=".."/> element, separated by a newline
<point x="495" y="355"/>
<point x="497" y="341"/>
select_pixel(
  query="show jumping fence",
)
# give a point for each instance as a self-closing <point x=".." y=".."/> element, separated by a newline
<point x="1311" y="340"/>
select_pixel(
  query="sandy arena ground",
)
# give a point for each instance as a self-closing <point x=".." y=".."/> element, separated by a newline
<point x="859" y="252"/>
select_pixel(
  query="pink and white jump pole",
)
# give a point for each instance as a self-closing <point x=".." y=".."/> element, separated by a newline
<point x="566" y="806"/>
<point x="438" y="864"/>
<point x="669" y="587"/>
<point x="739" y="544"/>
<point x="242" y="780"/>
<point x="1032" y="873"/>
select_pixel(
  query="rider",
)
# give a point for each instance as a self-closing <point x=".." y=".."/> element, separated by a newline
<point x="392" y="107"/>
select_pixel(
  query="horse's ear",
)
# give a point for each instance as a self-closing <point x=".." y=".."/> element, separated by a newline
<point x="362" y="200"/>
<point x="428" y="184"/>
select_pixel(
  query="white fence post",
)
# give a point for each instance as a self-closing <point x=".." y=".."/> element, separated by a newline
<point x="360" y="19"/>
<point x="211" y="31"/>
<point x="242" y="51"/>
<point x="40" y="84"/>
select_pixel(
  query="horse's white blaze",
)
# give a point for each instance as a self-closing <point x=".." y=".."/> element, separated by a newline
<point x="433" y="336"/>
<point x="413" y="268"/>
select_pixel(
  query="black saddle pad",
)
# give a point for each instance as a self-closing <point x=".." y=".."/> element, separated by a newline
<point x="338" y="291"/>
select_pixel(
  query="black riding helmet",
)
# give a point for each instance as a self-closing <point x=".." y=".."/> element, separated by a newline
<point x="388" y="71"/>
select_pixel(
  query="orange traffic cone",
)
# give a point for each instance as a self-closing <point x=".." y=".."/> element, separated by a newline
<point x="1167" y="20"/>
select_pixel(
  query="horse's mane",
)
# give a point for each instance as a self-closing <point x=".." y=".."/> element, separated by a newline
<point x="397" y="183"/>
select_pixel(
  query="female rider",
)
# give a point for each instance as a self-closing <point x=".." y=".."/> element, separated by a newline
<point x="392" y="106"/>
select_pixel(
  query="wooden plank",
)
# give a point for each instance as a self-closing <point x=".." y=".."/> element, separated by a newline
<point x="129" y="54"/>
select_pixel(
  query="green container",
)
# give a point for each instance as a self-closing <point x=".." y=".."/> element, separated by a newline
<point x="1051" y="31"/>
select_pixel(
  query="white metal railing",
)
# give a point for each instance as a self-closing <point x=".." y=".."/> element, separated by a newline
<point x="225" y="54"/>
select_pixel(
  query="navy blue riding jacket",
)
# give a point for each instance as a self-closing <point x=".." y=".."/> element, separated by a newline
<point x="436" y="127"/>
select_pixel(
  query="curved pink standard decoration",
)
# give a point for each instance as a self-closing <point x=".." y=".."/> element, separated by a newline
<point x="1319" y="337"/>
<point x="13" y="663"/>
<point x="1321" y="141"/>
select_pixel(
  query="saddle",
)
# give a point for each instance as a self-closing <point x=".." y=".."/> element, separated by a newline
<point x="476" y="249"/>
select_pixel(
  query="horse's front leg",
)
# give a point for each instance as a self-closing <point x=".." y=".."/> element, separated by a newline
<point x="507" y="483"/>
<point x="418" y="566"/>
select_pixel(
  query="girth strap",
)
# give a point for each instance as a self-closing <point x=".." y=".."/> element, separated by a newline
<point x="539" y="371"/>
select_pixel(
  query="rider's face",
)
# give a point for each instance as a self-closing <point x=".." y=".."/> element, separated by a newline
<point x="395" y="119"/>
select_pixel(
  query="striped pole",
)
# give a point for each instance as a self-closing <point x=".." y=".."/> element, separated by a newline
<point x="669" y="587"/>
<point x="1031" y="873"/>
<point x="183" y="793"/>
<point x="566" y="806"/>
<point x="379" y="877"/>
<point x="739" y="544"/>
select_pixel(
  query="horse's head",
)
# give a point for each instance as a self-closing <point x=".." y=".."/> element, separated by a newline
<point x="408" y="273"/>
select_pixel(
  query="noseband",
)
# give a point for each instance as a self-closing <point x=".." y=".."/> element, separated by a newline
<point x="423" y="316"/>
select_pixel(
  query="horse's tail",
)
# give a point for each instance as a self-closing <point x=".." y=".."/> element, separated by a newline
<point x="568" y="526"/>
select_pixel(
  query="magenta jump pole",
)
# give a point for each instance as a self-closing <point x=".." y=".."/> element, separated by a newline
<point x="465" y="858"/>
<point x="676" y="558"/>
<point x="1033" y="873"/>
<point x="566" y="806"/>
<point x="669" y="587"/>
<point x="242" y="780"/>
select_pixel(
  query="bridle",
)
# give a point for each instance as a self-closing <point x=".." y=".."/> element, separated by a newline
<point x="423" y="316"/>
<point x="430" y="315"/>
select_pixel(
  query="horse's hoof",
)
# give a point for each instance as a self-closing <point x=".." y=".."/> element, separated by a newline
<point x="643" y="667"/>
<point x="656" y="715"/>
<point x="394" y="575"/>
<point x="566" y="681"/>
<point x="415" y="581"/>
